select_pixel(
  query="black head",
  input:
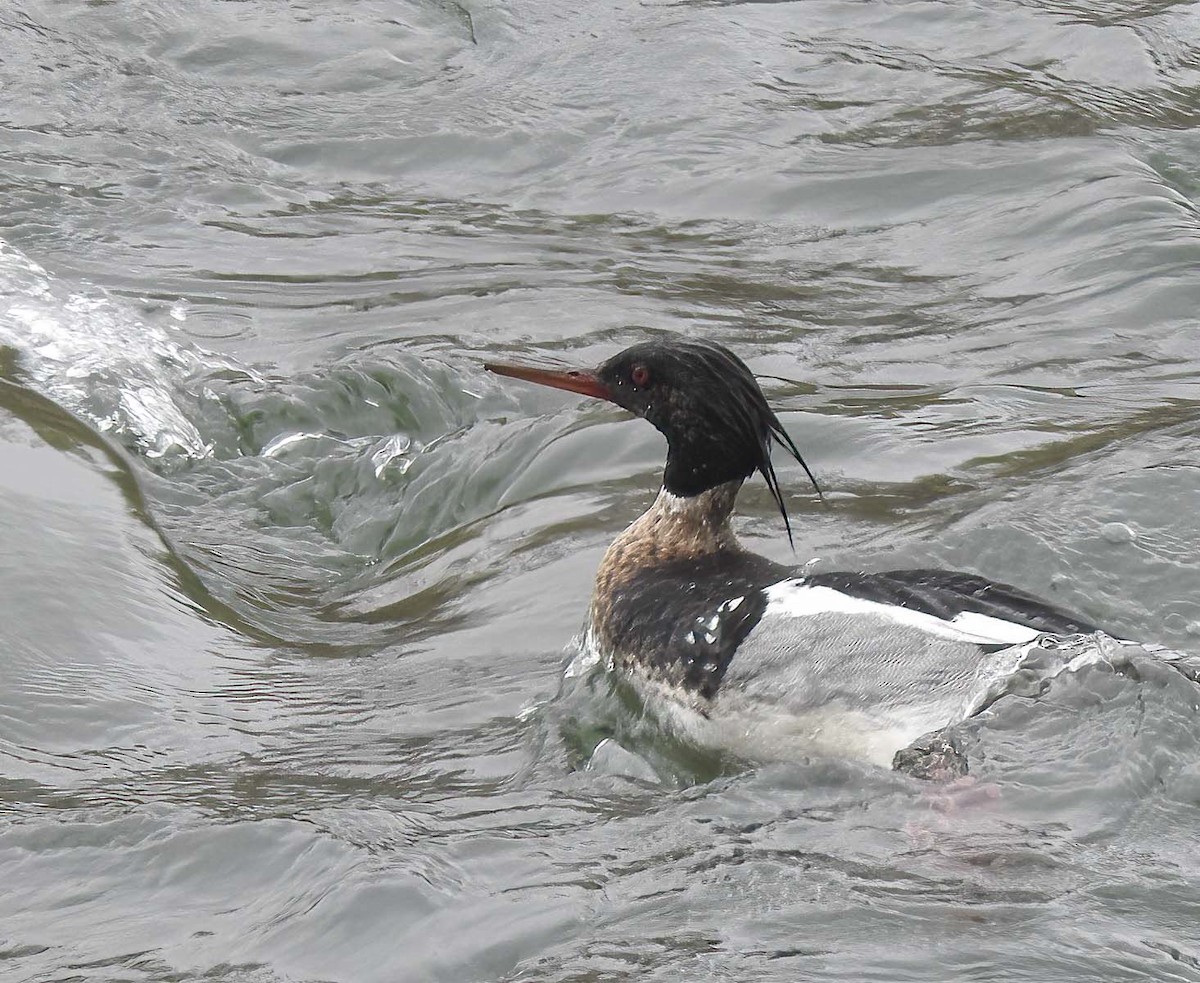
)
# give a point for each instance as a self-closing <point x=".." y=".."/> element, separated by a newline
<point x="702" y="397"/>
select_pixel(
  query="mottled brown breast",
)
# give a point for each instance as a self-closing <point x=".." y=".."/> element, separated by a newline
<point x="666" y="577"/>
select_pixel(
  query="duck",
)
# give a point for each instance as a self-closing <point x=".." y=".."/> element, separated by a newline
<point x="737" y="648"/>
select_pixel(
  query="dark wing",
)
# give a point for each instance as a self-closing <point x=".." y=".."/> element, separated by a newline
<point x="945" y="594"/>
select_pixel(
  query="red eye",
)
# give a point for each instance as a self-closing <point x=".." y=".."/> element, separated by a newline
<point x="640" y="375"/>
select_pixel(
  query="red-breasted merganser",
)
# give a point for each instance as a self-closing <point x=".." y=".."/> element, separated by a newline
<point x="873" y="664"/>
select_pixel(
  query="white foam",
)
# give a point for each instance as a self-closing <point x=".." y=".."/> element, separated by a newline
<point x="96" y="359"/>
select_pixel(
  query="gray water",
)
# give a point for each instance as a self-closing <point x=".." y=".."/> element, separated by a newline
<point x="288" y="585"/>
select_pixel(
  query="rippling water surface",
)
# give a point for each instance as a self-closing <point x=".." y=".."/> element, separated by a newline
<point x="288" y="585"/>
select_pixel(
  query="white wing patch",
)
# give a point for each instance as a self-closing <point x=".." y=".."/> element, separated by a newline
<point x="996" y="629"/>
<point x="796" y="599"/>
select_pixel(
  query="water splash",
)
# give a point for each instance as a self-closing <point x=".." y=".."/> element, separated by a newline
<point x="98" y="361"/>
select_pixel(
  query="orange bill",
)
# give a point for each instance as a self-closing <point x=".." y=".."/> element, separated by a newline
<point x="582" y="381"/>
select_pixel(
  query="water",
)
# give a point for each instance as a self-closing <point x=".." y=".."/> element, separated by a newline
<point x="289" y="584"/>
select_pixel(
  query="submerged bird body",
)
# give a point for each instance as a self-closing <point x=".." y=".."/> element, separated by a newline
<point x="873" y="665"/>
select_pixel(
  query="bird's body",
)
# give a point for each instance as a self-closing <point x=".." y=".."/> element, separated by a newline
<point x="851" y="663"/>
<point x="739" y="649"/>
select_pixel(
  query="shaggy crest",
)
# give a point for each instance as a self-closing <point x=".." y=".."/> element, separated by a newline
<point x="703" y="399"/>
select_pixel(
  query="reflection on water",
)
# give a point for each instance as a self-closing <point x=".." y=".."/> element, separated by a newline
<point x="289" y="585"/>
